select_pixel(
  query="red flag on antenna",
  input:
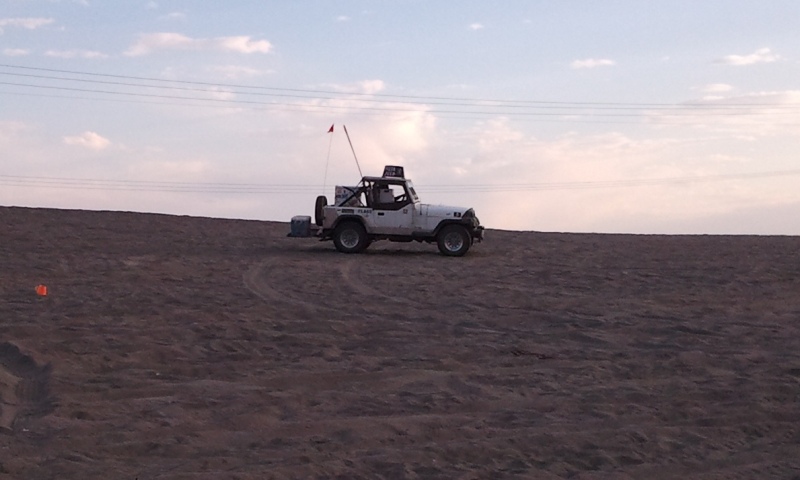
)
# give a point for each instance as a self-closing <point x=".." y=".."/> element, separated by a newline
<point x="330" y="130"/>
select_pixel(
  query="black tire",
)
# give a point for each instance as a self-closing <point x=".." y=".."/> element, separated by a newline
<point x="350" y="237"/>
<point x="322" y="202"/>
<point x="453" y="240"/>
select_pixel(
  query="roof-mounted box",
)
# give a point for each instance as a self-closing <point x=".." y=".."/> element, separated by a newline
<point x="393" y="171"/>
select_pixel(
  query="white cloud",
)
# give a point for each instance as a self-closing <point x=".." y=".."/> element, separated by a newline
<point x="152" y="42"/>
<point x="365" y="86"/>
<point x="10" y="130"/>
<point x="476" y="26"/>
<point x="606" y="182"/>
<point x="401" y="138"/>
<point x="90" y="140"/>
<point x="592" y="63"/>
<point x="237" y="71"/>
<point x="716" y="88"/>
<point x="763" y="55"/>
<point x="149" y="43"/>
<point x="15" y="52"/>
<point x="173" y="16"/>
<point x="151" y="6"/>
<point x="342" y="18"/>
<point x="241" y="44"/>
<point x="87" y="54"/>
<point x="28" y="23"/>
<point x="372" y="86"/>
<point x="749" y="116"/>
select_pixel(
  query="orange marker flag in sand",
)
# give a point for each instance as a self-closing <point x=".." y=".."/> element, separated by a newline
<point x="41" y="290"/>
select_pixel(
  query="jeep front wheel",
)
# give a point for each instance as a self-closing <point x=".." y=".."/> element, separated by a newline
<point x="453" y="240"/>
<point x="350" y="237"/>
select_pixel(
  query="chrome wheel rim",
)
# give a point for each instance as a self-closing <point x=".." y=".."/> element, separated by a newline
<point x="453" y="241"/>
<point x="349" y="238"/>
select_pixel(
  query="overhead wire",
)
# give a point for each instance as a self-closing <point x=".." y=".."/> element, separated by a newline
<point x="407" y="99"/>
<point x="377" y="103"/>
<point x="283" y="189"/>
<point x="371" y="95"/>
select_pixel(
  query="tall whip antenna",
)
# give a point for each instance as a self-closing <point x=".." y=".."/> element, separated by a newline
<point x="354" y="151"/>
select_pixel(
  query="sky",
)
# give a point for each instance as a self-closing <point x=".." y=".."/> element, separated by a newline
<point x="622" y="116"/>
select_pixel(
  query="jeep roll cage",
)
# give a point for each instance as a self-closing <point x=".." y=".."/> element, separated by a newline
<point x="379" y="194"/>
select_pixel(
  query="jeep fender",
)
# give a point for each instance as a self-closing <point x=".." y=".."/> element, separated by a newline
<point x="445" y="223"/>
<point x="349" y="218"/>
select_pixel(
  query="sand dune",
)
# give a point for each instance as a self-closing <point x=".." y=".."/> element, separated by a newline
<point x="176" y="347"/>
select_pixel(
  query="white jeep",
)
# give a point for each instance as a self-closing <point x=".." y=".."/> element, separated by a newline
<point x="387" y="208"/>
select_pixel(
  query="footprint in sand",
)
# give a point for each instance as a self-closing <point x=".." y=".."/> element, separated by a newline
<point x="24" y="387"/>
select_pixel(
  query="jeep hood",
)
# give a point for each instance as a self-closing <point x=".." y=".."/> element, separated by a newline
<point x="444" y="211"/>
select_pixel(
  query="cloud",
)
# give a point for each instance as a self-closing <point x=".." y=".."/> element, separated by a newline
<point x="363" y="87"/>
<point x="242" y="44"/>
<point x="11" y="130"/>
<point x="592" y="63"/>
<point x="221" y="93"/>
<point x="476" y="26"/>
<point x="15" y="52"/>
<point x="27" y="23"/>
<point x="762" y="55"/>
<point x="152" y="42"/>
<point x="173" y="16"/>
<point x="372" y="86"/>
<point x="748" y="116"/>
<point x="578" y="182"/>
<point x="237" y="71"/>
<point x="716" y="88"/>
<point x="90" y="140"/>
<point x="87" y="54"/>
<point x="342" y="18"/>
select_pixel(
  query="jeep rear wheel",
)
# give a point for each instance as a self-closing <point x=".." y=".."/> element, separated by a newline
<point x="453" y="240"/>
<point x="350" y="237"/>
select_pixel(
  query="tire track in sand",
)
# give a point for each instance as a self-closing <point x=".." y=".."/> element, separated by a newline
<point x="273" y="281"/>
<point x="326" y="283"/>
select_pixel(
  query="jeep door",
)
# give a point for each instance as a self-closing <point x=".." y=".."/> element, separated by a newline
<point x="393" y="222"/>
<point x="392" y="213"/>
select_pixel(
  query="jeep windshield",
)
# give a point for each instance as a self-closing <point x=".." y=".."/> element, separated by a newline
<point x="412" y="192"/>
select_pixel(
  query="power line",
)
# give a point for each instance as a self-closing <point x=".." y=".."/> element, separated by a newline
<point x="622" y="183"/>
<point x="656" y="113"/>
<point x="407" y="99"/>
<point x="307" y="106"/>
<point x="571" y="119"/>
<point x="291" y="189"/>
<point x="317" y="92"/>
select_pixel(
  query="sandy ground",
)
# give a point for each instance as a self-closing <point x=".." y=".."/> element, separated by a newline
<point x="176" y="348"/>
